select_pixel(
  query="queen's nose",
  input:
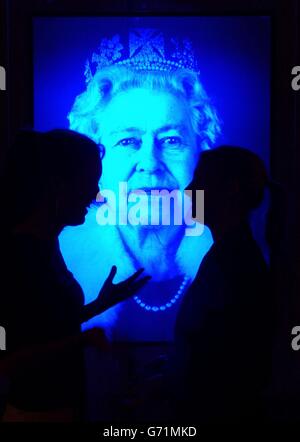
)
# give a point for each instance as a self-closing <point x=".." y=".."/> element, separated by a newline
<point x="149" y="157"/>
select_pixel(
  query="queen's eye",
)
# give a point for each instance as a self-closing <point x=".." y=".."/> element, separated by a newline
<point x="130" y="142"/>
<point x="170" y="141"/>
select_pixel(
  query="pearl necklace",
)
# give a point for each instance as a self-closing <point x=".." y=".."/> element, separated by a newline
<point x="168" y="304"/>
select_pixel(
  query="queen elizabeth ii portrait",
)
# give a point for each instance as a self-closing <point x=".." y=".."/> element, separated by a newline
<point x="148" y="111"/>
<point x="157" y="91"/>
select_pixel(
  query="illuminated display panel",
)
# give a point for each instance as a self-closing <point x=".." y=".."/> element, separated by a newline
<point x="153" y="92"/>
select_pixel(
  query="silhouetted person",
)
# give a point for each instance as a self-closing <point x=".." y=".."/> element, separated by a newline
<point x="50" y="180"/>
<point x="224" y="326"/>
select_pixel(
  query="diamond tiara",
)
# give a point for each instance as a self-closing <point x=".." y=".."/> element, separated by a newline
<point x="148" y="50"/>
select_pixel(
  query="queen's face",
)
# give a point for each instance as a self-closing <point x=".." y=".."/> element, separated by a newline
<point x="149" y="144"/>
<point x="149" y="141"/>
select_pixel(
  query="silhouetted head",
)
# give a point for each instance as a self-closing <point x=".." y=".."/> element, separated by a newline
<point x="233" y="180"/>
<point x="57" y="171"/>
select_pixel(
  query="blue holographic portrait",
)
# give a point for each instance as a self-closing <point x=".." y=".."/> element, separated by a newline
<point x="146" y="106"/>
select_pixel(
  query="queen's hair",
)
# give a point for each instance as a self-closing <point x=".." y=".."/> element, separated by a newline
<point x="108" y="82"/>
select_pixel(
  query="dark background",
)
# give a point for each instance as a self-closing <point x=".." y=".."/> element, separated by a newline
<point x="17" y="111"/>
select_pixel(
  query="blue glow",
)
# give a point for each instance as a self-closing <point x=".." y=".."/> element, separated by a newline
<point x="141" y="150"/>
